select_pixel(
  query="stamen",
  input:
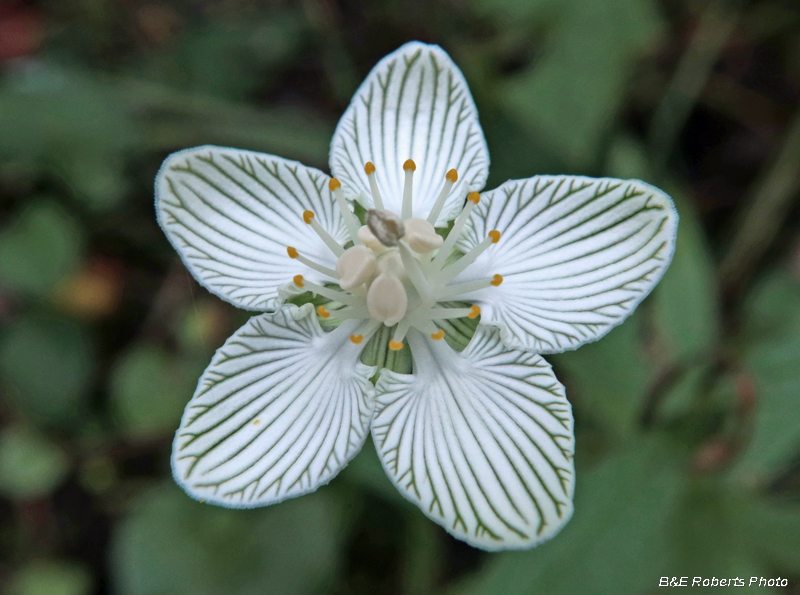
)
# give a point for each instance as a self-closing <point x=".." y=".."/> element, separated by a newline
<point x="417" y="277"/>
<point x="369" y="169"/>
<point x="475" y="311"/>
<point x="409" y="166"/>
<point x="438" y="336"/>
<point x="292" y="252"/>
<point x="452" y="271"/>
<point x="331" y="294"/>
<point x="348" y="313"/>
<point x="366" y="331"/>
<point x="450" y="178"/>
<point x="308" y="217"/>
<point x="443" y="313"/>
<point x="323" y="312"/>
<point x="349" y="219"/>
<point x="469" y="287"/>
<point x="399" y="335"/>
<point x="472" y="200"/>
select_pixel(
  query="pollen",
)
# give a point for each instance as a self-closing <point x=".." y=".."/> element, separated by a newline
<point x="356" y="338"/>
<point x="323" y="311"/>
<point x="497" y="280"/>
<point x="256" y="422"/>
<point x="495" y="235"/>
<point x="452" y="175"/>
<point x="474" y="312"/>
<point x="308" y="216"/>
<point x="298" y="280"/>
<point x="438" y="336"/>
<point x="395" y="345"/>
<point x="369" y="168"/>
<point x="292" y="252"/>
<point x="409" y="165"/>
<point x="474" y="197"/>
<point x="333" y="184"/>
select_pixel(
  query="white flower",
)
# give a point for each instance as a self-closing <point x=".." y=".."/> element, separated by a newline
<point x="481" y="440"/>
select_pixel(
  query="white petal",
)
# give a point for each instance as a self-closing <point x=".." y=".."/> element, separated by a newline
<point x="577" y="256"/>
<point x="282" y="408"/>
<point x="231" y="215"/>
<point x="482" y="441"/>
<point x="415" y="104"/>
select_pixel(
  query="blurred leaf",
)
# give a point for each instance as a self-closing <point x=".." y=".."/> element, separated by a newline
<point x="50" y="364"/>
<point x="609" y="378"/>
<point x="51" y="577"/>
<point x="685" y="303"/>
<point x="39" y="248"/>
<point x="30" y="465"/>
<point x="149" y="389"/>
<point x="231" y="58"/>
<point x="572" y="94"/>
<point x="773" y="534"/>
<point x="366" y="471"/>
<point x="707" y="532"/>
<point x="615" y="542"/>
<point x="172" y="544"/>
<point x="772" y="353"/>
<point x="71" y="124"/>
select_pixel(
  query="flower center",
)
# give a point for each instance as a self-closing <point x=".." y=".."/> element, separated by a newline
<point x="395" y="273"/>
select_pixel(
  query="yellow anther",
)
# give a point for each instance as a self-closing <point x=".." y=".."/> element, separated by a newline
<point x="452" y="175"/>
<point x="495" y="235"/>
<point x="497" y="280"/>
<point x="409" y="165"/>
<point x="369" y="168"/>
<point x="474" y="197"/>
<point x="474" y="312"/>
<point x="395" y="345"/>
<point x="323" y="311"/>
<point x="292" y="252"/>
<point x="356" y="338"/>
<point x="308" y="216"/>
<point x="298" y="280"/>
<point x="333" y="184"/>
<point x="256" y="422"/>
<point x="438" y="336"/>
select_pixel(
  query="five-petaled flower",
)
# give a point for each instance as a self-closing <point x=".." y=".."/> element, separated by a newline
<point x="482" y="439"/>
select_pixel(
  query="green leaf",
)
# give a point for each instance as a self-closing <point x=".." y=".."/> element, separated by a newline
<point x="613" y="545"/>
<point x="72" y="125"/>
<point x="149" y="389"/>
<point x="51" y="577"/>
<point x="172" y="544"/>
<point x="608" y="379"/>
<point x="773" y="534"/>
<point x="771" y="350"/>
<point x="231" y="58"/>
<point x="39" y="248"/>
<point x="573" y="93"/>
<point x="685" y="304"/>
<point x="47" y="366"/>
<point x="30" y="465"/>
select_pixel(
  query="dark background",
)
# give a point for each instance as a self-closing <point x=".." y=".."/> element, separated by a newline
<point x="687" y="416"/>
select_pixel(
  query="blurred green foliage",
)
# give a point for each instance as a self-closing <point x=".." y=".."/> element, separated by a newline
<point x="687" y="415"/>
